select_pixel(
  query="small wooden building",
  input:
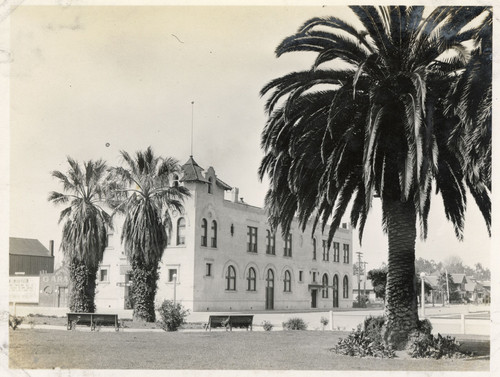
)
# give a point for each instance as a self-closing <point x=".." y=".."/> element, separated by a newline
<point x="27" y="256"/>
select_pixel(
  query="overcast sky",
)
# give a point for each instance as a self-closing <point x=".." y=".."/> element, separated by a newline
<point x="83" y="77"/>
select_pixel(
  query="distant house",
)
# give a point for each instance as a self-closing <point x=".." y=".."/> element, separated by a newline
<point x="27" y="256"/>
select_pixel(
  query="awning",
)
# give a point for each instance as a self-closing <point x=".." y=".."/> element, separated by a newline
<point x="315" y="286"/>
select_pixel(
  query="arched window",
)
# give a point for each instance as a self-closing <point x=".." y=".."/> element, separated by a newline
<point x="335" y="291"/>
<point x="346" y="287"/>
<point x="176" y="180"/>
<point x="288" y="245"/>
<point x="324" y="292"/>
<point x="287" y="282"/>
<point x="204" y="230"/>
<point x="251" y="279"/>
<point x="314" y="248"/>
<point x="181" y="231"/>
<point x="214" y="233"/>
<point x="210" y="183"/>
<point x="230" y="279"/>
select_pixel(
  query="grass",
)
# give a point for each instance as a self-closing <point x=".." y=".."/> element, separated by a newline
<point x="286" y="350"/>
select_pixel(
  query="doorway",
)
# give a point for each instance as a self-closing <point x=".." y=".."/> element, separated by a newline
<point x="335" y="291"/>
<point x="314" y="293"/>
<point x="270" y="290"/>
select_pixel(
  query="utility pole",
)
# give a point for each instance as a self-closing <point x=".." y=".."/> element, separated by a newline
<point x="364" y="280"/>
<point x="359" y="278"/>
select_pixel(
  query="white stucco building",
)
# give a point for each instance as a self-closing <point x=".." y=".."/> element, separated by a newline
<point x="222" y="256"/>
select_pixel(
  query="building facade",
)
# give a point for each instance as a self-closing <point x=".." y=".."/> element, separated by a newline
<point x="223" y="256"/>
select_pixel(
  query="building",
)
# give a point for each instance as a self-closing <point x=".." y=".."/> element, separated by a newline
<point x="29" y="257"/>
<point x="223" y="256"/>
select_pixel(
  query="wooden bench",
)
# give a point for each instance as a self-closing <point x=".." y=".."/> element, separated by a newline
<point x="92" y="319"/>
<point x="230" y="321"/>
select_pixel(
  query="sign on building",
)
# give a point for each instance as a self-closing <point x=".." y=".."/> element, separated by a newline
<point x="24" y="289"/>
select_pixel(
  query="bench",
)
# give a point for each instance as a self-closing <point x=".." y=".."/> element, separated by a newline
<point x="92" y="319"/>
<point x="230" y="321"/>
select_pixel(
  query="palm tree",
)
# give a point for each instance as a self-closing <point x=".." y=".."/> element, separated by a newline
<point x="143" y="193"/>
<point x="379" y="124"/>
<point x="84" y="233"/>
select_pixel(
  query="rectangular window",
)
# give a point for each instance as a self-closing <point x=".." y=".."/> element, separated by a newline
<point x="208" y="269"/>
<point x="326" y="256"/>
<point x="288" y="246"/>
<point x="270" y="242"/>
<point x="314" y="248"/>
<point x="314" y="277"/>
<point x="252" y="239"/>
<point x="336" y="252"/>
<point x="300" y="275"/>
<point x="346" y="253"/>
<point x="103" y="275"/>
<point x="172" y="275"/>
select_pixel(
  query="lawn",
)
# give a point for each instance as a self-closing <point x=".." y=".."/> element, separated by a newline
<point x="287" y="350"/>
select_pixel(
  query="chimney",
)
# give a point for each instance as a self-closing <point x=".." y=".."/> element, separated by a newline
<point x="51" y="247"/>
<point x="235" y="192"/>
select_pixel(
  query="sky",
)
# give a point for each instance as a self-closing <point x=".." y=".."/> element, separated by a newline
<point x="87" y="82"/>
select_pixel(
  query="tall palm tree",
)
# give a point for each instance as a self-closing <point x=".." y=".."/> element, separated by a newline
<point x="380" y="124"/>
<point x="143" y="193"/>
<point x="84" y="233"/>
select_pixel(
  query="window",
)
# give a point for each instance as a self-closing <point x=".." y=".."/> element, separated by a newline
<point x="324" y="292"/>
<point x="204" y="226"/>
<point x="314" y="277"/>
<point x="208" y="269"/>
<point x="230" y="279"/>
<point x="176" y="180"/>
<point x="103" y="275"/>
<point x="345" y="287"/>
<point x="214" y="233"/>
<point x="314" y="248"/>
<point x="172" y="274"/>
<point x="326" y="255"/>
<point x="210" y="183"/>
<point x="287" y="282"/>
<point x="251" y="279"/>
<point x="181" y="229"/>
<point x="336" y="252"/>
<point x="301" y="276"/>
<point x="288" y="246"/>
<point x="270" y="243"/>
<point x="252" y="239"/>
<point x="346" y="253"/>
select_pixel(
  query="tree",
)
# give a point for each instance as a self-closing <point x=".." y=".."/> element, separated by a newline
<point x="143" y="192"/>
<point x="379" y="124"/>
<point x="85" y="228"/>
<point x="378" y="278"/>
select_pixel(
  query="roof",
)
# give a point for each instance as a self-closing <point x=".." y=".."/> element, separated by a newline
<point x="27" y="246"/>
<point x="432" y="280"/>
<point x="192" y="171"/>
<point x="469" y="287"/>
<point x="458" y="278"/>
<point x="223" y="184"/>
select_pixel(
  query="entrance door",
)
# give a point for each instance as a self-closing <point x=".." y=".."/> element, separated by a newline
<point x="314" y="293"/>
<point x="270" y="290"/>
<point x="62" y="299"/>
<point x="335" y="291"/>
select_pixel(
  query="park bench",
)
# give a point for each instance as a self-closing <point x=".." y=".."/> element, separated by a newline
<point x="92" y="319"/>
<point x="230" y="321"/>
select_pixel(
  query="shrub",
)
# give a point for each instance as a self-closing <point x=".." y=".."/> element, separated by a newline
<point x="373" y="327"/>
<point x="324" y="322"/>
<point x="295" y="324"/>
<point x="359" y="343"/>
<point x="268" y="326"/>
<point x="172" y="315"/>
<point x="422" y="345"/>
<point x="15" y="321"/>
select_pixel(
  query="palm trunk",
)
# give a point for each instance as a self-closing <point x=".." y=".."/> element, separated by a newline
<point x="83" y="284"/>
<point x="401" y="310"/>
<point x="144" y="285"/>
